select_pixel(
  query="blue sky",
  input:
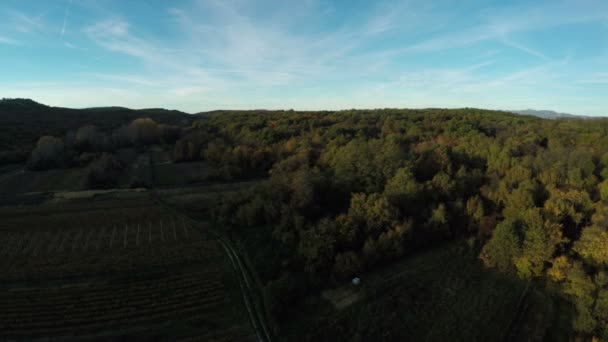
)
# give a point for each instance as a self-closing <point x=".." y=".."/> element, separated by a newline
<point x="197" y="55"/>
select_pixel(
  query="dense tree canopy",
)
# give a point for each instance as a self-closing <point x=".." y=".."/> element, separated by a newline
<point x="345" y="191"/>
<point x="350" y="189"/>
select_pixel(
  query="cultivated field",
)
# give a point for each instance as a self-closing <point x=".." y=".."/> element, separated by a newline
<point x="107" y="268"/>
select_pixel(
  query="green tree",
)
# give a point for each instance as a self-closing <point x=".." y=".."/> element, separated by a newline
<point x="573" y="204"/>
<point x="541" y="239"/>
<point x="402" y="190"/>
<point x="346" y="265"/>
<point x="592" y="245"/>
<point x="502" y="249"/>
<point x="474" y="209"/>
<point x="603" y="190"/>
<point x="317" y="247"/>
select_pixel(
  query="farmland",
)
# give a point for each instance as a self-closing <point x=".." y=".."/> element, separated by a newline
<point x="252" y="225"/>
<point x="109" y="267"/>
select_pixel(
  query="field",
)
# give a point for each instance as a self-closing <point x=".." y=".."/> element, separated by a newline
<point x="113" y="267"/>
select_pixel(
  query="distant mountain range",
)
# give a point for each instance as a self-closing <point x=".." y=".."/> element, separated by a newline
<point x="548" y="114"/>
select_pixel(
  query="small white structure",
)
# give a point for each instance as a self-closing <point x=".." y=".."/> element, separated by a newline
<point x="356" y="281"/>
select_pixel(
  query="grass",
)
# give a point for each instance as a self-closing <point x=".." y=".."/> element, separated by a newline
<point x="440" y="295"/>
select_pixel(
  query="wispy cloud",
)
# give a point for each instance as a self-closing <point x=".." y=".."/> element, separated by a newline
<point x="66" y="16"/>
<point x="524" y="48"/>
<point x="231" y="48"/>
<point x="499" y="24"/>
<point x="134" y="79"/>
<point x="243" y="53"/>
<point x="4" y="40"/>
<point x="24" y="23"/>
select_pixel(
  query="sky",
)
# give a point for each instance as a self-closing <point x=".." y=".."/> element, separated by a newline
<point x="198" y="55"/>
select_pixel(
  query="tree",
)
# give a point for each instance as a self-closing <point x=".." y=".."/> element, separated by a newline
<point x="592" y="245"/>
<point x="348" y="234"/>
<point x="520" y="199"/>
<point x="570" y="208"/>
<point x="144" y="131"/>
<point x="302" y="186"/>
<point x="474" y="209"/>
<point x="104" y="172"/>
<point x="541" y="239"/>
<point x="346" y="265"/>
<point x="49" y="153"/>
<point x="438" y="222"/>
<point x="579" y="286"/>
<point x="370" y="251"/>
<point x="600" y="311"/>
<point x="317" y="247"/>
<point x="353" y="166"/>
<point x="503" y="247"/>
<point x="373" y="213"/>
<point x="168" y="133"/>
<point x="603" y="190"/>
<point x="573" y="204"/>
<point x="88" y="138"/>
<point x="121" y="137"/>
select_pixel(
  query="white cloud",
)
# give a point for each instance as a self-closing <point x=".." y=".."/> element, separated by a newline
<point x="499" y="24"/>
<point x="524" y="48"/>
<point x="242" y="53"/>
<point x="25" y="23"/>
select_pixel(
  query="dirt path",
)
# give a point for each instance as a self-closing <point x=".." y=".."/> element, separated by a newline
<point x="252" y="295"/>
<point x="8" y="175"/>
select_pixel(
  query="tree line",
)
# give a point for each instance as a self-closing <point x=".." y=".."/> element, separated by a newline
<point x="98" y="150"/>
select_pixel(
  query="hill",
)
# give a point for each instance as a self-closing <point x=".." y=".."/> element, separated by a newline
<point x="548" y="114"/>
<point x="23" y="121"/>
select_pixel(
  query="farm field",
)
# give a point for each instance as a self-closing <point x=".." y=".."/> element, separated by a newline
<point x="112" y="268"/>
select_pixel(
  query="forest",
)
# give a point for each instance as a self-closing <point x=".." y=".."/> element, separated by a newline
<point x="345" y="192"/>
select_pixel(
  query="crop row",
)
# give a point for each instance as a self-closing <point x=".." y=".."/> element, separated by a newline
<point x="60" y="265"/>
<point x="98" y="238"/>
<point x="117" y="303"/>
